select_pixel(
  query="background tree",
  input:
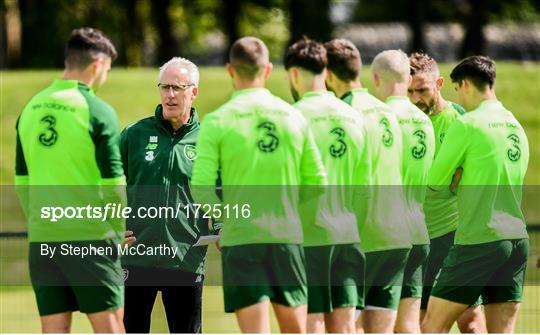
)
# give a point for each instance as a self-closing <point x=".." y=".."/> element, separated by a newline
<point x="311" y="18"/>
<point x="416" y="21"/>
<point x="168" y="45"/>
<point x="133" y="38"/>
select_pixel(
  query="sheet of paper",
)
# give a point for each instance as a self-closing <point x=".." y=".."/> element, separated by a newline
<point x="206" y="240"/>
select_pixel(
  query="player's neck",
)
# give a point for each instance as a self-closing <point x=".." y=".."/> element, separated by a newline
<point x="315" y="85"/>
<point x="393" y="90"/>
<point x="343" y="88"/>
<point x="440" y="106"/>
<point x="480" y="97"/>
<point x="241" y="84"/>
<point x="80" y="76"/>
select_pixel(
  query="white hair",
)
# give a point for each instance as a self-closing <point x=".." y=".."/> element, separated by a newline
<point x="187" y="67"/>
<point x="392" y="65"/>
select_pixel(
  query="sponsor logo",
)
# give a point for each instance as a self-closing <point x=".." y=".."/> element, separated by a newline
<point x="149" y="156"/>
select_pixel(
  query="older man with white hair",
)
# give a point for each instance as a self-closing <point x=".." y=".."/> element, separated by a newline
<point x="158" y="153"/>
<point x="391" y="79"/>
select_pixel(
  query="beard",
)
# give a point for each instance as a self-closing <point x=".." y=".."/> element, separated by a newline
<point x="427" y="108"/>
<point x="295" y="94"/>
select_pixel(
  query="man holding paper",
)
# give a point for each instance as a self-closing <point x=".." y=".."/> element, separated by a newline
<point x="158" y="154"/>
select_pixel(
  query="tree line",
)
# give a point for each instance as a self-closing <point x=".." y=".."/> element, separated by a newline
<point x="149" y="32"/>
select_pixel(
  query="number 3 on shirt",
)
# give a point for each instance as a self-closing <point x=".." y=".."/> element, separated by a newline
<point x="514" y="153"/>
<point x="49" y="136"/>
<point x="270" y="141"/>
<point x="419" y="151"/>
<point x="341" y="147"/>
<point x="387" y="137"/>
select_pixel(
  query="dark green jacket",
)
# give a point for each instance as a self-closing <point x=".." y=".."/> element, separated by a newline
<point x="157" y="163"/>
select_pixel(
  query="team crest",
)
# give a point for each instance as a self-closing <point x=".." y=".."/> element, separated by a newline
<point x="126" y="274"/>
<point x="190" y="151"/>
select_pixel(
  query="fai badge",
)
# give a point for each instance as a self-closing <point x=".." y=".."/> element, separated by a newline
<point x="190" y="152"/>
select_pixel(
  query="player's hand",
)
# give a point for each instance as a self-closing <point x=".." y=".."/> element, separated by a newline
<point x="129" y="239"/>
<point x="456" y="179"/>
<point x="218" y="245"/>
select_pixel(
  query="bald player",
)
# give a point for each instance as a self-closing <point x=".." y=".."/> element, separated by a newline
<point x="260" y="144"/>
<point x="391" y="79"/>
<point x="385" y="237"/>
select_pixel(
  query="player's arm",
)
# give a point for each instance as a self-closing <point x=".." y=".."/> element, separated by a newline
<point x="206" y="166"/>
<point x="124" y="151"/>
<point x="451" y="156"/>
<point x="362" y="182"/>
<point x="21" y="173"/>
<point x="105" y="134"/>
<point x="312" y="172"/>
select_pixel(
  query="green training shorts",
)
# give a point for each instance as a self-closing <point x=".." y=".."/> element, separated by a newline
<point x="384" y="277"/>
<point x="70" y="282"/>
<point x="494" y="271"/>
<point x="335" y="275"/>
<point x="256" y="272"/>
<point x="415" y="269"/>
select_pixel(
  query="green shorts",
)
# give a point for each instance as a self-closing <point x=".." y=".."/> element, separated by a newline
<point x="384" y="277"/>
<point x="70" y="282"/>
<point x="494" y="270"/>
<point x="438" y="250"/>
<point x="256" y="272"/>
<point x="334" y="274"/>
<point x="413" y="277"/>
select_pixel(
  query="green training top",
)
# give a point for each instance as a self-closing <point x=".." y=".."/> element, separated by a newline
<point x="442" y="213"/>
<point x="340" y="136"/>
<point x="492" y="148"/>
<point x="264" y="150"/>
<point x="418" y="152"/>
<point x="442" y="120"/>
<point x="68" y="146"/>
<point x="384" y="228"/>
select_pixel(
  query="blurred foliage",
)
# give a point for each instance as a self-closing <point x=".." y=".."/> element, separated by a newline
<point x="147" y="32"/>
<point x="270" y="25"/>
<point x="446" y="10"/>
<point x="516" y="10"/>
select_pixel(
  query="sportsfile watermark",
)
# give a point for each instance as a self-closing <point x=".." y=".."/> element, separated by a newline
<point x="119" y="211"/>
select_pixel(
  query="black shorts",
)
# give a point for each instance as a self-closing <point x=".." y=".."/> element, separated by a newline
<point x="182" y="299"/>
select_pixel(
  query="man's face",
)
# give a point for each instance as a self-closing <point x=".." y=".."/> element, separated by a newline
<point x="424" y="91"/>
<point x="103" y="66"/>
<point x="177" y="92"/>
